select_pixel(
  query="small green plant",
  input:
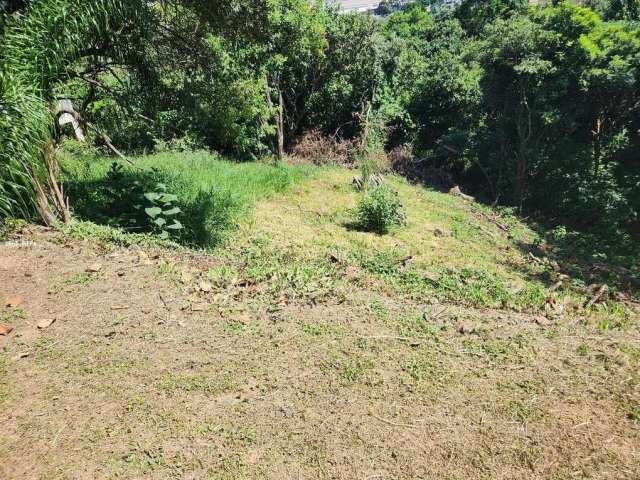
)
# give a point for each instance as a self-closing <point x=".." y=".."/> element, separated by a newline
<point x="583" y="350"/>
<point x="353" y="371"/>
<point x="420" y="368"/>
<point x="379" y="210"/>
<point x="162" y="211"/>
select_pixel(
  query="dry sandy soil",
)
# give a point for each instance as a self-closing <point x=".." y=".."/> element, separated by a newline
<point x="151" y="372"/>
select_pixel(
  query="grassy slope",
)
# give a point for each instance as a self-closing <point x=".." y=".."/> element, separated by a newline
<point x="301" y="232"/>
<point x="449" y="250"/>
<point x="303" y="348"/>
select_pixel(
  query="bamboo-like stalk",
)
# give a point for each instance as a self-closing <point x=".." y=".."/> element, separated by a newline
<point x="36" y="48"/>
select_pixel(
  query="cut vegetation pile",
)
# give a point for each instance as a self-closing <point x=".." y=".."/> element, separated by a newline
<point x="459" y="345"/>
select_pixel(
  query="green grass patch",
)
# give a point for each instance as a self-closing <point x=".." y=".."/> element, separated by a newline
<point x="213" y="194"/>
<point x="4" y="385"/>
<point x="470" y="286"/>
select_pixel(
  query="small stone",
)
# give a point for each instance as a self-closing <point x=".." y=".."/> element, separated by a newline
<point x="94" y="268"/>
<point x="46" y="323"/>
<point x="466" y="328"/>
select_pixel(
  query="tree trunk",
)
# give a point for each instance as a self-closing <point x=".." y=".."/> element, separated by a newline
<point x="51" y="203"/>
<point x="597" y="146"/>
<point x="280" y="126"/>
<point x="279" y="121"/>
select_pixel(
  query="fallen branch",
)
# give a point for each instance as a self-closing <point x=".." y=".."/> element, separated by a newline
<point x="110" y="146"/>
<point x="598" y="296"/>
<point x="164" y="302"/>
<point x="435" y="315"/>
<point x="535" y="259"/>
<point x="493" y="220"/>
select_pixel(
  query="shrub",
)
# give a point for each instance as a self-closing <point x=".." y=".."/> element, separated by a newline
<point x="379" y="210"/>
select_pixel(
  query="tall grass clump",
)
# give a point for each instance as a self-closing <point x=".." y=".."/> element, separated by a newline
<point x="36" y="49"/>
<point x="213" y="194"/>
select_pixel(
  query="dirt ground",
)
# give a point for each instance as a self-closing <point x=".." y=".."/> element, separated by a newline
<point x="150" y="372"/>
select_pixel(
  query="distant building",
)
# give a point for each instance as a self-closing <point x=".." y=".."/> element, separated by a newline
<point x="376" y="6"/>
<point x="362" y="6"/>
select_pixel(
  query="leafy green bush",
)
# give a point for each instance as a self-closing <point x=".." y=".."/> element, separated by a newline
<point x="379" y="210"/>
<point x="162" y="211"/>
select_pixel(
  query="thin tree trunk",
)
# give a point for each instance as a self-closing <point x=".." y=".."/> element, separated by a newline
<point x="279" y="121"/>
<point x="280" y="126"/>
<point x="597" y="146"/>
<point x="56" y="194"/>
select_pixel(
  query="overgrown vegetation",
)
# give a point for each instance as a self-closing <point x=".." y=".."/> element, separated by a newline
<point x="535" y="107"/>
<point x="207" y="195"/>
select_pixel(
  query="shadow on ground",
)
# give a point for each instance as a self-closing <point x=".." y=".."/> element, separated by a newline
<point x="118" y="200"/>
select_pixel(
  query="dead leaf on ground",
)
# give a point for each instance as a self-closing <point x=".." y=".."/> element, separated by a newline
<point x="14" y="301"/>
<point x="542" y="320"/>
<point x="5" y="329"/>
<point x="46" y="323"/>
<point x="185" y="277"/>
<point x="466" y="328"/>
<point x="94" y="268"/>
<point x="143" y="258"/>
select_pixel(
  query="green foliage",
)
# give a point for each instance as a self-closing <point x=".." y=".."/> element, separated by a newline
<point x="532" y="106"/>
<point x="474" y="15"/>
<point x="208" y="196"/>
<point x="36" y="49"/>
<point x="539" y="111"/>
<point x="162" y="212"/>
<point x="379" y="210"/>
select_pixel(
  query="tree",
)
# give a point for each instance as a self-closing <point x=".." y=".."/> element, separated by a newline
<point x="474" y="15"/>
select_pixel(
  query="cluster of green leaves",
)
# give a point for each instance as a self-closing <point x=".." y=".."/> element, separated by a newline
<point x="36" y="48"/>
<point x="221" y="76"/>
<point x="163" y="211"/>
<point x="204" y="194"/>
<point x="379" y="210"/>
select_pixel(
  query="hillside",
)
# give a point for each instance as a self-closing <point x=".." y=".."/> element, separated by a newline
<point x="456" y="346"/>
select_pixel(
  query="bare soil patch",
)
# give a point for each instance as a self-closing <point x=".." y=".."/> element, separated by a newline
<point x="149" y="372"/>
